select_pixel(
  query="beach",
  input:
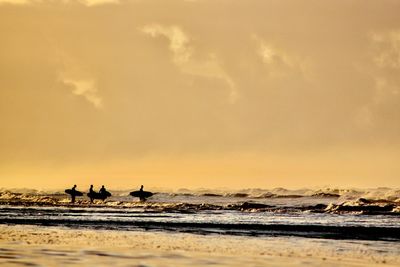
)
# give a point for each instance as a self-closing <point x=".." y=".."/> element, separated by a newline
<point x="59" y="246"/>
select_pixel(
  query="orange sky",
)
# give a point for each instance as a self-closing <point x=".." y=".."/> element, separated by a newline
<point x="206" y="93"/>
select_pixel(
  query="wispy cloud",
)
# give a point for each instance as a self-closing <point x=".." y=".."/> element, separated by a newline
<point x="16" y="2"/>
<point x="98" y="2"/>
<point x="178" y="41"/>
<point x="79" y="78"/>
<point x="85" y="88"/>
<point x="88" y="3"/>
<point x="182" y="55"/>
<point x="387" y="49"/>
<point x="385" y="58"/>
<point x="280" y="63"/>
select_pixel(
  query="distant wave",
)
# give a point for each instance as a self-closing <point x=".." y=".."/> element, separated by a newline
<point x="391" y="194"/>
<point x="383" y="201"/>
<point x="341" y="193"/>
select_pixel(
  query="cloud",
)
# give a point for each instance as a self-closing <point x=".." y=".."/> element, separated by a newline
<point x="16" y="2"/>
<point x="386" y="56"/>
<point x="384" y="70"/>
<point x="88" y="3"/>
<point x="98" y="2"/>
<point x="78" y="77"/>
<point x="387" y="49"/>
<point x="178" y="41"/>
<point x="85" y="88"/>
<point x="183" y="56"/>
<point x="279" y="62"/>
<point x="212" y="68"/>
<point x="271" y="55"/>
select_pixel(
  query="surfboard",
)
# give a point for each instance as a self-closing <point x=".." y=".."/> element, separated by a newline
<point x="73" y="192"/>
<point x="96" y="195"/>
<point x="141" y="194"/>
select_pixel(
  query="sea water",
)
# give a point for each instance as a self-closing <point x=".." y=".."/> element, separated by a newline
<point x="252" y="212"/>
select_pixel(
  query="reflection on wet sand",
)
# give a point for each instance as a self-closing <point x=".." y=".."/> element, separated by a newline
<point x="52" y="246"/>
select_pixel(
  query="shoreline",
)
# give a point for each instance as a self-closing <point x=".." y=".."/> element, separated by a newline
<point x="41" y="245"/>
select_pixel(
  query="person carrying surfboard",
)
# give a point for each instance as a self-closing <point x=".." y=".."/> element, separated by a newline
<point x="91" y="193"/>
<point x="73" y="193"/>
<point x="103" y="191"/>
<point x="141" y="194"/>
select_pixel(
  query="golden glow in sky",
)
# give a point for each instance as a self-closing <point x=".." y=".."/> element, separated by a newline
<point x="206" y="93"/>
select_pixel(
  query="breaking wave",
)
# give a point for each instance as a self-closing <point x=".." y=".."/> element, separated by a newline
<point x="327" y="200"/>
<point x="382" y="193"/>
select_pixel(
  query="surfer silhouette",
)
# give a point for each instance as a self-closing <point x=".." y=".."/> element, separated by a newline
<point x="142" y="197"/>
<point x="141" y="194"/>
<point x="102" y="194"/>
<point x="102" y="190"/>
<point x="73" y="193"/>
<point x="91" y="193"/>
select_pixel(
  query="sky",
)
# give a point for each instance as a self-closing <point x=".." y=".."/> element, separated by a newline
<point x="199" y="93"/>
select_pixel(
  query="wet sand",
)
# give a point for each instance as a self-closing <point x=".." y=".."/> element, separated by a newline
<point x="54" y="246"/>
